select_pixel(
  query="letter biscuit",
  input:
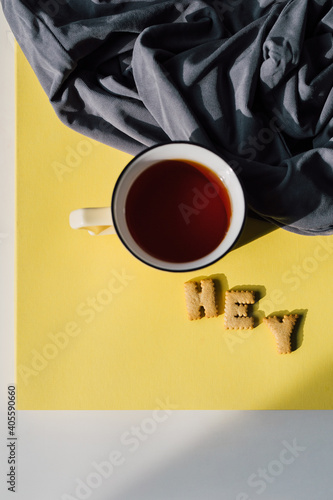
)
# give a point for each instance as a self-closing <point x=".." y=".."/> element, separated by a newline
<point x="195" y="299"/>
<point x="282" y="331"/>
<point x="236" y="309"/>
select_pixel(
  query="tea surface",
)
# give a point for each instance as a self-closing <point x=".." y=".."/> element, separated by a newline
<point x="178" y="211"/>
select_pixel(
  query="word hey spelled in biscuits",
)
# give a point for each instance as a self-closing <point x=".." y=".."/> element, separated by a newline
<point x="236" y="314"/>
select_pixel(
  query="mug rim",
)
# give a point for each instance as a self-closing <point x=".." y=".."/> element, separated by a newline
<point x="167" y="263"/>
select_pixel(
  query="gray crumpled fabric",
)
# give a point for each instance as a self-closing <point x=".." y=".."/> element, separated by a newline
<point x="250" y="79"/>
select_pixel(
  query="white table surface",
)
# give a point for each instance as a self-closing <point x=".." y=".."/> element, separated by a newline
<point x="180" y="455"/>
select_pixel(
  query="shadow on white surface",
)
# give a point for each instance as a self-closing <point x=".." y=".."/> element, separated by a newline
<point x="212" y="455"/>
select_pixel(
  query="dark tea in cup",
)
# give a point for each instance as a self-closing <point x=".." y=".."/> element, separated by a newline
<point x="178" y="210"/>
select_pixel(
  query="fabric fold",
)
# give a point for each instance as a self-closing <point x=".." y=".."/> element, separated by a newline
<point x="250" y="80"/>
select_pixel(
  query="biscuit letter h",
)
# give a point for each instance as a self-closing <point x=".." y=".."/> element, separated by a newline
<point x="195" y="299"/>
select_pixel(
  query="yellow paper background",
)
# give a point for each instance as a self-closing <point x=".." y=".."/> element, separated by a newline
<point x="87" y="339"/>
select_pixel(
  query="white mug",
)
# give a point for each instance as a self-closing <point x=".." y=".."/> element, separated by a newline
<point x="103" y="221"/>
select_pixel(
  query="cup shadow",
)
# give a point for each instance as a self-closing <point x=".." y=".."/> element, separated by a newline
<point x="255" y="227"/>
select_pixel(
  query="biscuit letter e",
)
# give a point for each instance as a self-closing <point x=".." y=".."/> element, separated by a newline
<point x="236" y="310"/>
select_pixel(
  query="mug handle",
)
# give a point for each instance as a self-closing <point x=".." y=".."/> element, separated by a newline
<point x="97" y="221"/>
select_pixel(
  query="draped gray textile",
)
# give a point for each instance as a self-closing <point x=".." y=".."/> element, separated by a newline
<point x="250" y="79"/>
